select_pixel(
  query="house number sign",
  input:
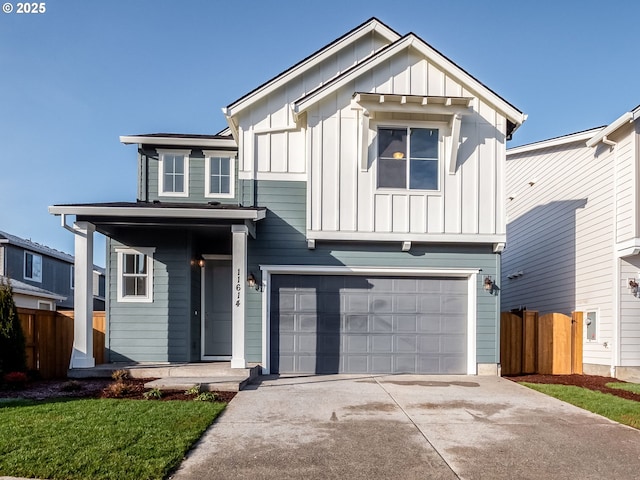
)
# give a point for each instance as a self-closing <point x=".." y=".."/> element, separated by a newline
<point x="238" y="289"/>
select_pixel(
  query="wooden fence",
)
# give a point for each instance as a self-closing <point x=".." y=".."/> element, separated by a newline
<point x="547" y="344"/>
<point x="49" y="340"/>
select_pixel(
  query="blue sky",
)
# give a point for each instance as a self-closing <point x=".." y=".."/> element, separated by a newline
<point x="79" y="75"/>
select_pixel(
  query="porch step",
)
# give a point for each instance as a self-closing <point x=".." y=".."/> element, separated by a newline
<point x="226" y="383"/>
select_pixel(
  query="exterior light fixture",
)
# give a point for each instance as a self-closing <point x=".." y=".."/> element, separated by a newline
<point x="201" y="262"/>
<point x="488" y="284"/>
<point x="633" y="286"/>
<point x="252" y="282"/>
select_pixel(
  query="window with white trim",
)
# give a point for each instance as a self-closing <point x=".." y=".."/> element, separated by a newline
<point x="219" y="174"/>
<point x="32" y="267"/>
<point x="173" y="173"/>
<point x="408" y="157"/>
<point x="135" y="274"/>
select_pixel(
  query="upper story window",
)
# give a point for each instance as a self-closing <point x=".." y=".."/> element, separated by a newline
<point x="408" y="158"/>
<point x="32" y="267"/>
<point x="173" y="173"/>
<point x="135" y="274"/>
<point x="219" y="174"/>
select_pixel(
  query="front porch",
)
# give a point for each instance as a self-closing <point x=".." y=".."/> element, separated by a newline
<point x="214" y="376"/>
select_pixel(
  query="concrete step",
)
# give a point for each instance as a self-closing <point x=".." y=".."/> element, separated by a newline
<point x="226" y="383"/>
<point x="148" y="370"/>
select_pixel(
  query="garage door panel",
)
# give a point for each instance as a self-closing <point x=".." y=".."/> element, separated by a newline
<point x="354" y="324"/>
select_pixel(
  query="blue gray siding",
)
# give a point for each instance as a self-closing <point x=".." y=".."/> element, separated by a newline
<point x="157" y="331"/>
<point x="148" y="179"/>
<point x="281" y="240"/>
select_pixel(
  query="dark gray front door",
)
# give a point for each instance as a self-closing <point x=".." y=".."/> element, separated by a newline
<point x="216" y="343"/>
<point x="356" y="324"/>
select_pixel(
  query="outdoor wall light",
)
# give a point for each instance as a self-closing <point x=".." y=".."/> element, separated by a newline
<point x="488" y="284"/>
<point x="199" y="262"/>
<point x="252" y="282"/>
<point x="633" y="286"/>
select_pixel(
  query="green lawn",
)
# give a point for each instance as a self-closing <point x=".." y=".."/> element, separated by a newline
<point x="99" y="439"/>
<point x="631" y="387"/>
<point x="615" y="408"/>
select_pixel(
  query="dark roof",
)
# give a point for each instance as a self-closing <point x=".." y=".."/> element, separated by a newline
<point x="183" y="135"/>
<point x="157" y="204"/>
<point x="35" y="247"/>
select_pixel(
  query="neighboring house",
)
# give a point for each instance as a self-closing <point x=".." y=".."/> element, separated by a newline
<point x="44" y="274"/>
<point x="350" y="219"/>
<point x="573" y="237"/>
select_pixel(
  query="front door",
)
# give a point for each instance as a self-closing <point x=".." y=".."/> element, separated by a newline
<point x="216" y="310"/>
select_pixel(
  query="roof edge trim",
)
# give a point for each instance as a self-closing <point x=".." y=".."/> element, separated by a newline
<point x="625" y="118"/>
<point x="554" y="142"/>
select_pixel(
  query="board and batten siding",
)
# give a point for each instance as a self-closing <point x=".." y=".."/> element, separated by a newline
<point x="560" y="235"/>
<point x="270" y="141"/>
<point x="157" y="331"/>
<point x="196" y="179"/>
<point x="281" y="240"/>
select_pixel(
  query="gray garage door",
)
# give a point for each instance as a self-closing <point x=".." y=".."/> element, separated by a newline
<point x="355" y="324"/>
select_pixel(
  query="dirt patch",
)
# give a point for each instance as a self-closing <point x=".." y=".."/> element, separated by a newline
<point x="373" y="407"/>
<point x="421" y="383"/>
<point x="132" y="389"/>
<point x="592" y="382"/>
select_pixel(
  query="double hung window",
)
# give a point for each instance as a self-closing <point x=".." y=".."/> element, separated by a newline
<point x="135" y="275"/>
<point x="174" y="173"/>
<point x="219" y="175"/>
<point x="32" y="267"/>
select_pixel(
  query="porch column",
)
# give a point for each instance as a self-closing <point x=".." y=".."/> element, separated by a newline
<point x="239" y="275"/>
<point x="82" y="355"/>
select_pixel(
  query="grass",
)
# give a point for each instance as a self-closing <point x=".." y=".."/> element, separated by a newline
<point x="99" y="439"/>
<point x="630" y="387"/>
<point x="614" y="408"/>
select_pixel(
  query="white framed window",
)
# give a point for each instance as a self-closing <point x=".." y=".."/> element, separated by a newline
<point x="409" y="157"/>
<point x="135" y="274"/>
<point x="219" y="174"/>
<point x="42" y="305"/>
<point x="173" y="173"/>
<point x="32" y="267"/>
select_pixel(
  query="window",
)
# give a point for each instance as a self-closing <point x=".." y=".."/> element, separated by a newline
<point x="591" y="325"/>
<point x="73" y="277"/>
<point x="135" y="274"/>
<point x="32" y="267"/>
<point x="219" y="174"/>
<point x="408" y="157"/>
<point x="174" y="173"/>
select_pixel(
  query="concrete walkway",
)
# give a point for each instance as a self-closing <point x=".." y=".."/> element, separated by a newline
<point x="408" y="427"/>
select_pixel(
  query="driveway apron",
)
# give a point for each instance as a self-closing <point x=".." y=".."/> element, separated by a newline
<point x="408" y="427"/>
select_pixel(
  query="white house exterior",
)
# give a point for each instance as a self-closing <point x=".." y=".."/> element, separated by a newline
<point x="573" y="238"/>
<point x="349" y="219"/>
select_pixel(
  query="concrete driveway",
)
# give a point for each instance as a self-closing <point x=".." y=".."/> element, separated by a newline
<point x="408" y="427"/>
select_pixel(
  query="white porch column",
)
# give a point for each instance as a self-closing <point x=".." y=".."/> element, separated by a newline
<point x="82" y="355"/>
<point x="239" y="276"/>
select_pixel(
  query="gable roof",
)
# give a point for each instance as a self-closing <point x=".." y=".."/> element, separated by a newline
<point x="515" y="116"/>
<point x="373" y="24"/>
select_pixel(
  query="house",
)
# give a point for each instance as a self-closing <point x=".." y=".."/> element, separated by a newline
<point x="43" y="277"/>
<point x="350" y="218"/>
<point x="573" y="238"/>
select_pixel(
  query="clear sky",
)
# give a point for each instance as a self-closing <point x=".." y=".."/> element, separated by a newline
<point x="76" y="77"/>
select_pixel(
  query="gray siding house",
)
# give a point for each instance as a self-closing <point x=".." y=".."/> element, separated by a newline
<point x="349" y="219"/>
<point x="42" y="277"/>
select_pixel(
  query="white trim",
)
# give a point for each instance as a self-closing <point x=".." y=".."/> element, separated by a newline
<point x="185" y="157"/>
<point x="148" y="252"/>
<point x="328" y="51"/>
<point x="33" y="278"/>
<point x="418" y="238"/>
<point x="553" y="142"/>
<point x="627" y="248"/>
<point x="179" y="141"/>
<point x="601" y="136"/>
<point x="411" y="40"/>
<point x="48" y="304"/>
<point x="208" y="256"/>
<point x="470" y="274"/>
<point x="210" y="213"/>
<point x="208" y="155"/>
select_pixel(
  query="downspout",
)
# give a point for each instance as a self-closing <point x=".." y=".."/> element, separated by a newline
<point x="615" y="354"/>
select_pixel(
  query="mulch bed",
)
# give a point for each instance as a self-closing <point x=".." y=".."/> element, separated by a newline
<point x="96" y="388"/>
<point x="592" y="382"/>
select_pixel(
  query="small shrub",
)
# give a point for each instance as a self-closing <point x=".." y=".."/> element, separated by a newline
<point x="153" y="394"/>
<point x="15" y="379"/>
<point x="195" y="390"/>
<point x="71" y="386"/>
<point x="12" y="342"/>
<point x="120" y="375"/>
<point x="117" y="389"/>
<point x="206" y="397"/>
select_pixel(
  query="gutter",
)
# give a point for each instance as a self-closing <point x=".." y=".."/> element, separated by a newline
<point x="601" y="137"/>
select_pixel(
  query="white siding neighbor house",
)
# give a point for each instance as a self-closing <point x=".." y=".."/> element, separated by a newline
<point x="573" y="238"/>
<point x="350" y="218"/>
